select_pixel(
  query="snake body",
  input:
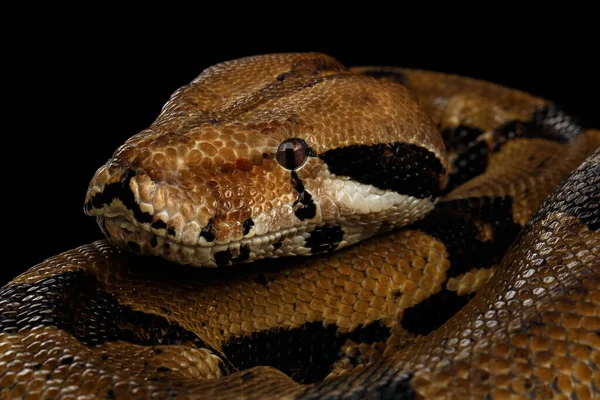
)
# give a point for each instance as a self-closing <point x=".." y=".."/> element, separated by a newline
<point x="382" y="233"/>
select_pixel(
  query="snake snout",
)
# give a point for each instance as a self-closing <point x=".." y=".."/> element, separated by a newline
<point x="115" y="195"/>
<point x="141" y="214"/>
<point x="221" y="220"/>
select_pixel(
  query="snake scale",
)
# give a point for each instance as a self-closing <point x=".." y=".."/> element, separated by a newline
<point x="379" y="232"/>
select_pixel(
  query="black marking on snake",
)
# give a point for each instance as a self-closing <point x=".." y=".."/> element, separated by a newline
<point x="277" y="245"/>
<point x="433" y="312"/>
<point x="398" y="387"/>
<point x="75" y="303"/>
<point x="121" y="191"/>
<point x="247" y="225"/>
<point x="371" y="333"/>
<point x="171" y="231"/>
<point x="395" y="76"/>
<point x="547" y="122"/>
<point x="159" y="224"/>
<point x="390" y="384"/>
<point x="325" y="238"/>
<point x="307" y="67"/>
<point x="244" y="254"/>
<point x="306" y="354"/>
<point x="304" y="207"/>
<point x="248" y="375"/>
<point x="226" y="257"/>
<point x="578" y="195"/>
<point x="134" y="246"/>
<point x="111" y="394"/>
<point x="404" y="168"/>
<point x="455" y="223"/>
<point x="154" y="241"/>
<point x="223" y="258"/>
<point x="472" y="154"/>
<point x="509" y="131"/>
<point x="208" y="231"/>
<point x="457" y="138"/>
<point x="66" y="360"/>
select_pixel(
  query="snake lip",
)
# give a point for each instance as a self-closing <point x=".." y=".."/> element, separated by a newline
<point x="286" y="242"/>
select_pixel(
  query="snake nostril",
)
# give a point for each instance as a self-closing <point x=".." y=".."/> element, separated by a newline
<point x="122" y="191"/>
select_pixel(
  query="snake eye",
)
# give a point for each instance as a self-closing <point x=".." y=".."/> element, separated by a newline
<point x="292" y="153"/>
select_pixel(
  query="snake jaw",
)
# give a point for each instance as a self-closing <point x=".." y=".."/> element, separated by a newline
<point x="285" y="243"/>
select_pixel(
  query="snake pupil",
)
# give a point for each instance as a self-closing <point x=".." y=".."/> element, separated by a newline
<point x="292" y="153"/>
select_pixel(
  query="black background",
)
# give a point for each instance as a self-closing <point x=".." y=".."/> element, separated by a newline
<point x="75" y="92"/>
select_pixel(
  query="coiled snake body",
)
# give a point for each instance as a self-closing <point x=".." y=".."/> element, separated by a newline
<point x="431" y="274"/>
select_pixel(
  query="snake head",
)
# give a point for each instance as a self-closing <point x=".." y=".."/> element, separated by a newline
<point x="270" y="156"/>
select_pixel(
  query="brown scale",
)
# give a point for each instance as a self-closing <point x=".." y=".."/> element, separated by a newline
<point x="530" y="331"/>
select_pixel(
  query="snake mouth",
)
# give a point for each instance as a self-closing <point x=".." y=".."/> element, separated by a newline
<point x="286" y="242"/>
<point x="131" y="218"/>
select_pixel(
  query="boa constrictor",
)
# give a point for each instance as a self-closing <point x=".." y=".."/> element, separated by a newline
<point x="430" y="273"/>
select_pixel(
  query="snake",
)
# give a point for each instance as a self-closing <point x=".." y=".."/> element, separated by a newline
<point x="292" y="228"/>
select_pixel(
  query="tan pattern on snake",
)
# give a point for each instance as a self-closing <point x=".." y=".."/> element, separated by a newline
<point x="282" y="155"/>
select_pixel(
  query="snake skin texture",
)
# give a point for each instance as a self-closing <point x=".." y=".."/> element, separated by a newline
<point x="464" y="264"/>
